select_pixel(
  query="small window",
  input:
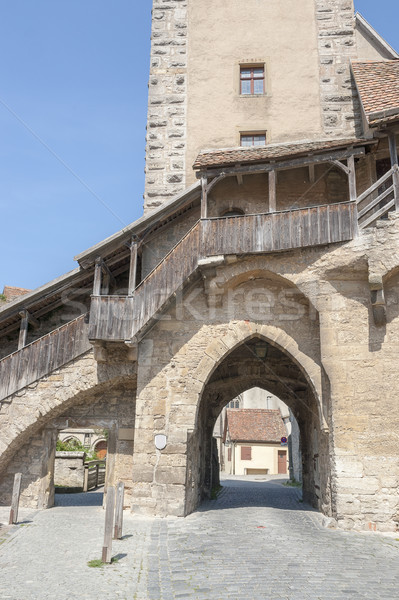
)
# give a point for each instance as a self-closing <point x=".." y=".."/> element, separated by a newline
<point x="253" y="139"/>
<point x="246" y="453"/>
<point x="252" y="80"/>
<point x="229" y="454"/>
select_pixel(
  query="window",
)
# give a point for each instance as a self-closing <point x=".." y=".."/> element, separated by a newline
<point x="253" y="139"/>
<point x="234" y="403"/>
<point x="229" y="454"/>
<point x="246" y="453"/>
<point x="252" y="80"/>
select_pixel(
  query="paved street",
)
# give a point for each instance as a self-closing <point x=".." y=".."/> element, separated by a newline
<point x="256" y="541"/>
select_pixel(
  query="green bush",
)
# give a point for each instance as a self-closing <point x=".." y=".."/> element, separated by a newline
<point x="76" y="446"/>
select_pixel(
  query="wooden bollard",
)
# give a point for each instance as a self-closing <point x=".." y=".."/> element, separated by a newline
<point x="120" y="490"/>
<point x="109" y="525"/>
<point x="16" y="491"/>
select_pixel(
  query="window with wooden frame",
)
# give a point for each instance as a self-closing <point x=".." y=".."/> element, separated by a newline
<point x="253" y="139"/>
<point x="246" y="453"/>
<point x="252" y="80"/>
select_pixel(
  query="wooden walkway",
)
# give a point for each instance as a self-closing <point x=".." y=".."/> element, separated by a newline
<point x="43" y="356"/>
<point x="114" y="318"/>
<point x="120" y="318"/>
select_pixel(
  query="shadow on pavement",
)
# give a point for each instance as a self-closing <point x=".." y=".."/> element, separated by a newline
<point x="93" y="498"/>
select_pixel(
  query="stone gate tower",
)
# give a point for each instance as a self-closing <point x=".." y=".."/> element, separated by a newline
<point x="268" y="256"/>
<point x="195" y="100"/>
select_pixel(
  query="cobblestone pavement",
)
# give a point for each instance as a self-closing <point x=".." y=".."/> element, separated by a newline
<point x="256" y="541"/>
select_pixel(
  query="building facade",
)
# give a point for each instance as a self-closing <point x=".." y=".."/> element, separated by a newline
<point x="267" y="257"/>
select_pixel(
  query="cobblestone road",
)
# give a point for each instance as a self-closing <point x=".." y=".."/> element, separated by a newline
<point x="256" y="541"/>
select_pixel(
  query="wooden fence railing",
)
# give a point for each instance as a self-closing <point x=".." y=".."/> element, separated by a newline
<point x="115" y="318"/>
<point x="94" y="474"/>
<point x="43" y="356"/>
<point x="272" y="232"/>
<point x="111" y="318"/>
<point x="379" y="199"/>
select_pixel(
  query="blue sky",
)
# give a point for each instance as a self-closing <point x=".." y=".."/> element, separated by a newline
<point x="73" y="85"/>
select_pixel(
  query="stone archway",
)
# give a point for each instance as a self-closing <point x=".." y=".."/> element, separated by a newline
<point x="281" y="374"/>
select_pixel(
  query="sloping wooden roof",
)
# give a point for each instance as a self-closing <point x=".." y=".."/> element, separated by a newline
<point x="378" y="86"/>
<point x="255" y="425"/>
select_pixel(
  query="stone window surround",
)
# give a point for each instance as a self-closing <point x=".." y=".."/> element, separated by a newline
<point x="256" y="63"/>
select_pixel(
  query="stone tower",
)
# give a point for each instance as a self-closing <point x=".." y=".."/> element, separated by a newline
<point x="198" y="50"/>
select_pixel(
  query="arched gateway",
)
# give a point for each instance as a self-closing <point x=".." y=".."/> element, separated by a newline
<point x="272" y="263"/>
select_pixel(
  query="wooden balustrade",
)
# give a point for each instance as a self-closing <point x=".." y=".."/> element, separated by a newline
<point x="42" y="356"/>
<point x="271" y="232"/>
<point x="111" y="318"/>
<point x="115" y="318"/>
<point x="378" y="199"/>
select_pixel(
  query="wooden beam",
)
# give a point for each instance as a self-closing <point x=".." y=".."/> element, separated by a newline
<point x="120" y="489"/>
<point x="286" y="164"/>
<point x="352" y="178"/>
<point x="97" y="277"/>
<point x="393" y="152"/>
<point x="109" y="525"/>
<point x="16" y="492"/>
<point x="23" y="330"/>
<point x="272" y="191"/>
<point x="204" y="198"/>
<point x="311" y="174"/>
<point x="240" y="180"/>
<point x="132" y="269"/>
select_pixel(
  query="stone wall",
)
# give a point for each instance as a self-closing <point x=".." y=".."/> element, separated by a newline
<point x="349" y="444"/>
<point x="340" y="105"/>
<point x="83" y="393"/>
<point x="69" y="469"/>
<point x="166" y="125"/>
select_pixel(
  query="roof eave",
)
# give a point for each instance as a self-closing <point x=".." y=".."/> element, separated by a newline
<point x="361" y="21"/>
<point x="88" y="257"/>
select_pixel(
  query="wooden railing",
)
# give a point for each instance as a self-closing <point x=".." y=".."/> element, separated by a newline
<point x="272" y="232"/>
<point x="94" y="474"/>
<point x="43" y="356"/>
<point x="115" y="318"/>
<point x="379" y="199"/>
<point x="167" y="277"/>
<point x="111" y="318"/>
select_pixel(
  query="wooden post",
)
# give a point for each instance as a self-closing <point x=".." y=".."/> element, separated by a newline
<point x="97" y="473"/>
<point x="109" y="522"/>
<point x="204" y="198"/>
<point x="352" y="178"/>
<point x="86" y="479"/>
<point x="272" y="191"/>
<point x="120" y="490"/>
<point x="394" y="163"/>
<point x="311" y="174"/>
<point x="97" y="277"/>
<point x="16" y="491"/>
<point x="23" y="331"/>
<point x="132" y="269"/>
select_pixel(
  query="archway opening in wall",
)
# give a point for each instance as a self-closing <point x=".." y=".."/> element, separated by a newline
<point x="259" y="363"/>
<point x="80" y="466"/>
<point x="256" y="434"/>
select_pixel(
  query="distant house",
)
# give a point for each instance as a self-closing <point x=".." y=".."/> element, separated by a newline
<point x="252" y="442"/>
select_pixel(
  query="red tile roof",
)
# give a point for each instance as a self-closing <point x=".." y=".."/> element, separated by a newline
<point x="232" y="156"/>
<point x="378" y="86"/>
<point x="255" y="425"/>
<point x="11" y="292"/>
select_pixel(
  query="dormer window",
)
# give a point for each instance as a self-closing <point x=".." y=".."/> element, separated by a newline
<point x="252" y="80"/>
